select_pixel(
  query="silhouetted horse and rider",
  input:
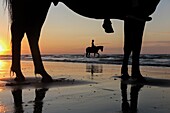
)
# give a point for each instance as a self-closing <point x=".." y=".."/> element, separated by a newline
<point x="28" y="16"/>
<point x="93" y="49"/>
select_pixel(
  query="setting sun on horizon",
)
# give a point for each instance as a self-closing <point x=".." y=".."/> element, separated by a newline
<point x="4" y="49"/>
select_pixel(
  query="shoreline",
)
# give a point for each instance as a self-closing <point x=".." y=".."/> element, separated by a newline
<point x="98" y="92"/>
<point x="158" y="60"/>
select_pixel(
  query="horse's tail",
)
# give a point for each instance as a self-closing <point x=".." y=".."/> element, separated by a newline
<point x="8" y="5"/>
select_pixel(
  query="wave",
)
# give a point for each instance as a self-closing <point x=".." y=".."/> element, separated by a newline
<point x="162" y="60"/>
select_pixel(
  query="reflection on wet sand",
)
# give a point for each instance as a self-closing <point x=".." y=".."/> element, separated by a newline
<point x="4" y="68"/>
<point x="134" y="92"/>
<point x="38" y="102"/>
<point x="92" y="68"/>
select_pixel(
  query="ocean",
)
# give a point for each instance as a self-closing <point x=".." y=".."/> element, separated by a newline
<point x="161" y="60"/>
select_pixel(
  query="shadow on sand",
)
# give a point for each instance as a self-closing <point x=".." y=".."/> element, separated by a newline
<point x="32" y="82"/>
<point x="159" y="82"/>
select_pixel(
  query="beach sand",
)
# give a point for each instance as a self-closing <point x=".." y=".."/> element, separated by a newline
<point x="89" y="88"/>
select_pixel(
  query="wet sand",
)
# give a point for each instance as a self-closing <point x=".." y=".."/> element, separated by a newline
<point x="96" y="89"/>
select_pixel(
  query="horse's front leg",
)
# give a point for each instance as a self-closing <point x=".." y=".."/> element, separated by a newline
<point x="87" y="54"/>
<point x="17" y="34"/>
<point x="33" y="35"/>
<point x="98" y="55"/>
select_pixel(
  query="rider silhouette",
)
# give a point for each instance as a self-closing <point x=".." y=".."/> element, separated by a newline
<point x="92" y="44"/>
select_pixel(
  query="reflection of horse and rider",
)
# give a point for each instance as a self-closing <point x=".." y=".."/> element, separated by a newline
<point x="94" y="69"/>
<point x="93" y="49"/>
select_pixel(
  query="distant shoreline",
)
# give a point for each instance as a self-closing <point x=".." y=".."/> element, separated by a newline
<point x="157" y="60"/>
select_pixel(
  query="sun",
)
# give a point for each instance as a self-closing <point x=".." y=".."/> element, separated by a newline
<point x="3" y="48"/>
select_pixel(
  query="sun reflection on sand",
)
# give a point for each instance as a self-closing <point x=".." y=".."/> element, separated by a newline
<point x="4" y="47"/>
<point x="2" y="65"/>
<point x="1" y="89"/>
<point x="1" y="48"/>
<point x="4" y="68"/>
<point x="3" y="109"/>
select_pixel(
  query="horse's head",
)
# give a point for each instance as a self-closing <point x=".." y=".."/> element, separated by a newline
<point x="101" y="48"/>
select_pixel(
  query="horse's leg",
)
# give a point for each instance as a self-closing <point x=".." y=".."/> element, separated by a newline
<point x="133" y="41"/>
<point x="138" y="28"/>
<point x="33" y="35"/>
<point x="98" y="55"/>
<point x="127" y="48"/>
<point x="17" y="34"/>
<point x="87" y="54"/>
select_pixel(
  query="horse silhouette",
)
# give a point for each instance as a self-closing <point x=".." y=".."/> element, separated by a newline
<point x="93" y="50"/>
<point x="28" y="16"/>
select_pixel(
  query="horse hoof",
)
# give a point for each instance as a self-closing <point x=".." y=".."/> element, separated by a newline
<point x="125" y="76"/>
<point x="139" y="78"/>
<point x="47" y="79"/>
<point x="19" y="79"/>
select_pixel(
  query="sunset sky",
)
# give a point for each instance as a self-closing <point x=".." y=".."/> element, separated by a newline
<point x="65" y="32"/>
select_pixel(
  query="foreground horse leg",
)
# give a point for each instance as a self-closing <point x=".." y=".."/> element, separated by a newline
<point x="127" y="49"/>
<point x="33" y="38"/>
<point x="133" y="40"/>
<point x="17" y="36"/>
<point x="138" y="28"/>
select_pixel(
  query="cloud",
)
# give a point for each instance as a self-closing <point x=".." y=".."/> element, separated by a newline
<point x="157" y="43"/>
<point x="159" y="33"/>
